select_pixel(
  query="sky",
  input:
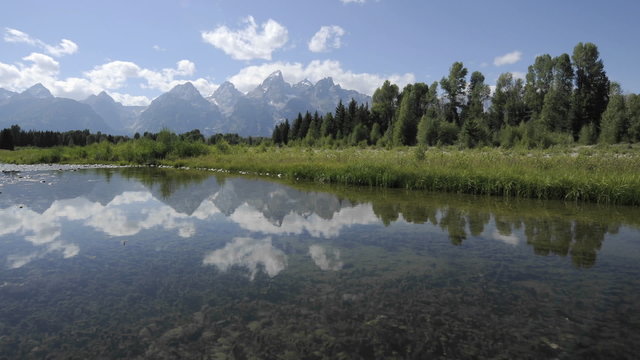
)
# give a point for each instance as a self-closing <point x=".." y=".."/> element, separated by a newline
<point x="136" y="50"/>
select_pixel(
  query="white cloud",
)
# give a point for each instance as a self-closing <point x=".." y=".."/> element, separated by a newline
<point x="353" y="1"/>
<point x="158" y="48"/>
<point x="518" y="75"/>
<point x="131" y="100"/>
<point x="251" y="76"/>
<point x="252" y="42"/>
<point x="65" y="47"/>
<point x="508" y="59"/>
<point x="327" y="38"/>
<point x="40" y="68"/>
<point x="114" y="75"/>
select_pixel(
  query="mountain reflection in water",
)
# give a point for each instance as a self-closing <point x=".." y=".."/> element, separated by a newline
<point x="167" y="264"/>
<point x="174" y="201"/>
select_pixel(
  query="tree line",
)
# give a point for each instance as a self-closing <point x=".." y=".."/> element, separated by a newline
<point x="14" y="136"/>
<point x="562" y="100"/>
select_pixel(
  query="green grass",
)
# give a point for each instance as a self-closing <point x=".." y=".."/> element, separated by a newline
<point x="608" y="175"/>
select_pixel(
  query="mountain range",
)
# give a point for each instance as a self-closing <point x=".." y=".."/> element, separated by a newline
<point x="181" y="109"/>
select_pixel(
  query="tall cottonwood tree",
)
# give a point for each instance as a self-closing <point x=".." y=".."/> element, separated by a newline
<point x="507" y="104"/>
<point x="556" y="110"/>
<point x="384" y="104"/>
<point x="591" y="95"/>
<point x="409" y="113"/>
<point x="479" y="93"/>
<point x="455" y="86"/>
<point x="539" y="82"/>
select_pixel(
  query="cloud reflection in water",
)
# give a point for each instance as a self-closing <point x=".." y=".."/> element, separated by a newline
<point x="251" y="254"/>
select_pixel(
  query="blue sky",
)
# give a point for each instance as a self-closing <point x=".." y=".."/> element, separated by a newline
<point x="135" y="50"/>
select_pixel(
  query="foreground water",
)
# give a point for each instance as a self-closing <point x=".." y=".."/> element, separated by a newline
<point x="161" y="264"/>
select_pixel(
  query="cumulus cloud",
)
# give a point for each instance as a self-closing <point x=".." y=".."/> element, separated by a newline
<point x="327" y="38"/>
<point x="353" y="1"/>
<point x="131" y="100"/>
<point x="111" y="76"/>
<point x="251" y="76"/>
<point x="251" y="42"/>
<point x="508" y="59"/>
<point x="41" y="68"/>
<point x="65" y="47"/>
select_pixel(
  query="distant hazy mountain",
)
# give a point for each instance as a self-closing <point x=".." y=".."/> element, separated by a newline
<point x="117" y="116"/>
<point x="5" y="94"/>
<point x="274" y="100"/>
<point x="35" y="108"/>
<point x="181" y="109"/>
<point x="226" y="97"/>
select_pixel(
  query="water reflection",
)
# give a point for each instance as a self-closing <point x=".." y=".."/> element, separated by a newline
<point x="326" y="258"/>
<point x="249" y="253"/>
<point x="178" y="202"/>
<point x="218" y="267"/>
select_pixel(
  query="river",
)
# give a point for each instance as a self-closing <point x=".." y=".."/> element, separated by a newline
<point x="170" y="264"/>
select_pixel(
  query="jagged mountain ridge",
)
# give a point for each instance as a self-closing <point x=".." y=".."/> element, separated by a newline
<point x="117" y="116"/>
<point x="182" y="109"/>
<point x="35" y="108"/>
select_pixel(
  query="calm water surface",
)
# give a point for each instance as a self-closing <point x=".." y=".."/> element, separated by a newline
<point x="162" y="264"/>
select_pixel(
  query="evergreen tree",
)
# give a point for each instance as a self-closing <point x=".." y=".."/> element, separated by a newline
<point x="285" y="131"/>
<point x="295" y="128"/>
<point x="472" y="133"/>
<point x="276" y="135"/>
<point x="304" y="127"/>
<point x="6" y="139"/>
<point x="351" y="118"/>
<point x="340" y="119"/>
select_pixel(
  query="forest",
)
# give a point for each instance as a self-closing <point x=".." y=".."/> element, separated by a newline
<point x="563" y="100"/>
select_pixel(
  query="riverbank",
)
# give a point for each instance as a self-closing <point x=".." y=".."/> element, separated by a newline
<point x="608" y="175"/>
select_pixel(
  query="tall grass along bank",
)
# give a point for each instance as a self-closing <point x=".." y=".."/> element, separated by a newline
<point x="608" y="175"/>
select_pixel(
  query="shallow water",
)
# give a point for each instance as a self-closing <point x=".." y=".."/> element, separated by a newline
<point x="156" y="263"/>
